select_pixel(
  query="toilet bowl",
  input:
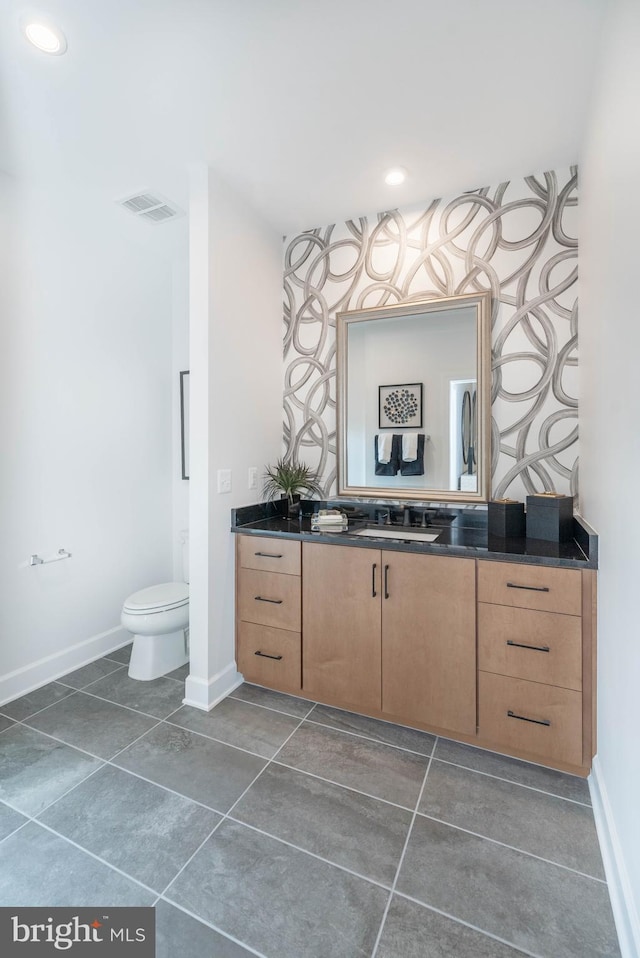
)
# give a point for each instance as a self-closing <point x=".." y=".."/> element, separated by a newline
<point x="158" y="617"/>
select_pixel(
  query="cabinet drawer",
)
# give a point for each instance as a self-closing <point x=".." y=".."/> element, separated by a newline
<point x="269" y="554"/>
<point x="530" y="587"/>
<point x="268" y="598"/>
<point x="505" y="704"/>
<point x="539" y="646"/>
<point x="270" y="657"/>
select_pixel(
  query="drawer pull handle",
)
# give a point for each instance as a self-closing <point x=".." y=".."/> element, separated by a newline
<point x="373" y="580"/>
<point x="523" y="718"/>
<point x="260" y="598"/>
<point x="265" y="655"/>
<point x="386" y="582"/>
<point x="269" y="555"/>
<point x="529" y="588"/>
<point x="534" y="648"/>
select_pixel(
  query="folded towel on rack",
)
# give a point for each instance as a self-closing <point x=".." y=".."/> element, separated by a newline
<point x="415" y="467"/>
<point x="409" y="446"/>
<point x="385" y="446"/>
<point x="391" y="466"/>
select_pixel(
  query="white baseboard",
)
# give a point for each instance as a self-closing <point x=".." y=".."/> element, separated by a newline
<point x="52" y="667"/>
<point x="204" y="694"/>
<point x="620" y="891"/>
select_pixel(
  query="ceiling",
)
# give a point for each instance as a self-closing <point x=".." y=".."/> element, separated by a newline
<point x="300" y="104"/>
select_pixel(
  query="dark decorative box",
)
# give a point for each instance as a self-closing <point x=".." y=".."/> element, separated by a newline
<point x="550" y="517"/>
<point x="506" y="519"/>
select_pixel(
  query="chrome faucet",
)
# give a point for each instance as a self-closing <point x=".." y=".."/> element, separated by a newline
<point x="383" y="517"/>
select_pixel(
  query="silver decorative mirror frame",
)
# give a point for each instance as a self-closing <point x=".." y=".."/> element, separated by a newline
<point x="481" y="302"/>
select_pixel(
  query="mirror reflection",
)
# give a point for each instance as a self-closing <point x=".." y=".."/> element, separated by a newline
<point x="412" y="408"/>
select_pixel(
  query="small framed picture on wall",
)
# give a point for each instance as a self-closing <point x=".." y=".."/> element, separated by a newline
<point x="400" y="406"/>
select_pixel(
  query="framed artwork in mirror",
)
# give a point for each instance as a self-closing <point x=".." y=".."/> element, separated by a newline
<point x="400" y="405"/>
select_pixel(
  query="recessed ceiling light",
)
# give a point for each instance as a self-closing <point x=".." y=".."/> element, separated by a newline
<point x="45" y="36"/>
<point x="396" y="176"/>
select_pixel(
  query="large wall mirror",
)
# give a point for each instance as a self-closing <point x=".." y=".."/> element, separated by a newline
<point x="414" y="407"/>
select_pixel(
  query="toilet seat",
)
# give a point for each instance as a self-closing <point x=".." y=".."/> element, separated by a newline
<point x="157" y="598"/>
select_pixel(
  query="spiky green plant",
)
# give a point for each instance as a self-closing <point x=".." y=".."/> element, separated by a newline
<point x="289" y="478"/>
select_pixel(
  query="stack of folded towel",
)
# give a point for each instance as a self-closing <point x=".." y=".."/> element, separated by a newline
<point x="329" y="520"/>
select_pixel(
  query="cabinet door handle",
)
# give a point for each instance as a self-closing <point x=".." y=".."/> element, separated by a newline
<point x="373" y="580"/>
<point x="534" y="648"/>
<point x="269" y="555"/>
<point x="523" y="718"/>
<point x="529" y="588"/>
<point x="260" y="598"/>
<point x="386" y="582"/>
<point x="265" y="655"/>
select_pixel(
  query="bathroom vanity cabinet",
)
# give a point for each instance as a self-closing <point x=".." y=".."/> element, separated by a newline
<point x="268" y="612"/>
<point x="536" y="665"/>
<point x="391" y="631"/>
<point x="491" y="653"/>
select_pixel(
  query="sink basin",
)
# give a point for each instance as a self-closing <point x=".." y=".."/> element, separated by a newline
<point x="398" y="533"/>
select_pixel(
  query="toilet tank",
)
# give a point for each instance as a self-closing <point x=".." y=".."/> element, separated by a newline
<point x="184" y="539"/>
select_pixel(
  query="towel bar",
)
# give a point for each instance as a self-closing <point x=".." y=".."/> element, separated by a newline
<point x="60" y="554"/>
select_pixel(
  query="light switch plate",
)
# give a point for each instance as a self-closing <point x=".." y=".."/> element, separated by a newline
<point x="224" y="480"/>
<point x="253" y="477"/>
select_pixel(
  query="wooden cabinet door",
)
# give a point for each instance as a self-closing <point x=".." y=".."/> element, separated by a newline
<point x="429" y="640"/>
<point x="341" y="625"/>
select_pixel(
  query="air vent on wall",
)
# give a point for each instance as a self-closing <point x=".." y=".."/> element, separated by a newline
<point x="150" y="206"/>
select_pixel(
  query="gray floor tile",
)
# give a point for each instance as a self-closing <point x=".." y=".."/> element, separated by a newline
<point x="278" y="900"/>
<point x="121" y="655"/>
<point x="39" y="868"/>
<point x="531" y="904"/>
<point x="90" y="673"/>
<point x="5" y="722"/>
<point x="413" y="931"/>
<point x="367" y="766"/>
<point x="360" y="833"/>
<point x="36" y="770"/>
<point x="9" y="820"/>
<point x="180" y="674"/>
<point x="159" y="697"/>
<point x="180" y="934"/>
<point x="238" y="723"/>
<point x="533" y="821"/>
<point x="398" y="735"/>
<point x="535" y="776"/>
<point x="27" y="705"/>
<point x="140" y="828"/>
<point x="97" y="726"/>
<point x="193" y="765"/>
<point x="289" y="704"/>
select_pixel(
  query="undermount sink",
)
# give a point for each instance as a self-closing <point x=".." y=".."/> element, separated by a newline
<point x="398" y="533"/>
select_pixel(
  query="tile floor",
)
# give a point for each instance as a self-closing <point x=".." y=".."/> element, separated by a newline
<point x="275" y="827"/>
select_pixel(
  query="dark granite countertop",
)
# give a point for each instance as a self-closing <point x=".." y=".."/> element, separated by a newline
<point x="461" y="532"/>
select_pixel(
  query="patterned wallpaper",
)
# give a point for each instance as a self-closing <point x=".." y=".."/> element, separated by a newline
<point x="519" y="241"/>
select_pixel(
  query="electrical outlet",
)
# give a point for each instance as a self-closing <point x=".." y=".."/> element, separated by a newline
<point x="224" y="480"/>
<point x="253" y="477"/>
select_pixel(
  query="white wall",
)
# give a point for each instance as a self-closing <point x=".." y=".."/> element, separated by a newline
<point x="86" y="425"/>
<point x="610" y="461"/>
<point x="236" y="406"/>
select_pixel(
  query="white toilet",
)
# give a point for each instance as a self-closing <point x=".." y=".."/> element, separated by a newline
<point x="159" y="619"/>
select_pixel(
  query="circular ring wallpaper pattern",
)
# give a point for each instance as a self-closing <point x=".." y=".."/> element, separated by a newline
<point x="517" y="240"/>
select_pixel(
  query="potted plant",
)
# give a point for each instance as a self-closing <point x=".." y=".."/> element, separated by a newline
<point x="288" y="479"/>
